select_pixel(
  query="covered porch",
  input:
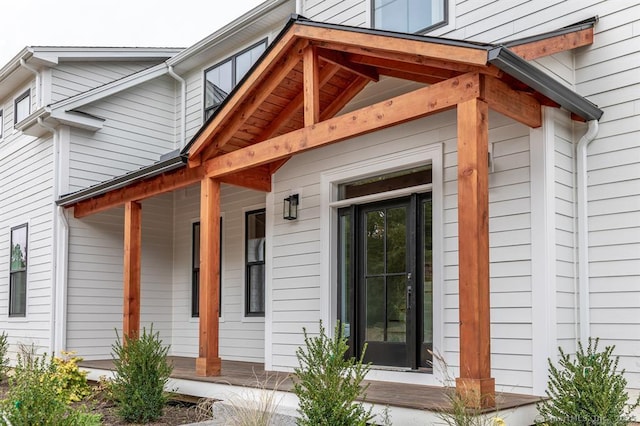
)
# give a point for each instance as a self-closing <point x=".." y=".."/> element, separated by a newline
<point x="293" y="101"/>
<point x="405" y="401"/>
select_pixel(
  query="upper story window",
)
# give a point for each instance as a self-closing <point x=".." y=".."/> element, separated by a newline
<point x="409" y="16"/>
<point x="223" y="77"/>
<point x="22" y="107"/>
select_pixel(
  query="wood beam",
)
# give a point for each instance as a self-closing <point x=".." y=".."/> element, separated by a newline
<point x="311" y="87"/>
<point x="261" y="71"/>
<point x="520" y="106"/>
<point x="224" y="130"/>
<point x="358" y="51"/>
<point x="553" y="45"/>
<point x="475" y="384"/>
<point x="372" y="43"/>
<point x="427" y="70"/>
<point x="344" y="97"/>
<point x="327" y="72"/>
<point x="157" y="185"/>
<point x="208" y="362"/>
<point x="397" y="110"/>
<point x="340" y="59"/>
<point x="258" y="179"/>
<point x="131" y="266"/>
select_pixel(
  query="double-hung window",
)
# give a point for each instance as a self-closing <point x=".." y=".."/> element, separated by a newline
<point x="254" y="262"/>
<point x="22" y="107"/>
<point x="195" y="272"/>
<point x="223" y="77"/>
<point x="18" y="272"/>
<point x="409" y="16"/>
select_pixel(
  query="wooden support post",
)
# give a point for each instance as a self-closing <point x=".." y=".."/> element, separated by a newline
<point x="132" y="255"/>
<point x="311" y="87"/>
<point x="208" y="362"/>
<point x="475" y="384"/>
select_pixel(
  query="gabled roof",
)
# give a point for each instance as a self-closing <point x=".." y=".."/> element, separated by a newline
<point x="268" y="101"/>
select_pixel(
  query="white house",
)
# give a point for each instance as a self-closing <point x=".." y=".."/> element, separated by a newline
<point x="172" y="168"/>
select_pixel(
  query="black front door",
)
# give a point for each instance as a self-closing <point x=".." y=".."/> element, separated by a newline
<point x="385" y="274"/>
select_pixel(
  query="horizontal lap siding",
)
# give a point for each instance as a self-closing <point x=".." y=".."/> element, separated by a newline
<point x="241" y="339"/>
<point x="607" y="73"/>
<point x="95" y="289"/>
<point x="351" y="12"/>
<point x="26" y="182"/>
<point x="139" y="127"/>
<point x="297" y="258"/>
<point x="72" y="78"/>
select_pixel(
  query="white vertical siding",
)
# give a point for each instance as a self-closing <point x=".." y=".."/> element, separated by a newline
<point x="140" y="126"/>
<point x="26" y="197"/>
<point x="95" y="289"/>
<point x="241" y="338"/>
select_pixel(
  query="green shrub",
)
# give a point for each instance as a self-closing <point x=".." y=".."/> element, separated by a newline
<point x="37" y="396"/>
<point x="141" y="373"/>
<point x="588" y="390"/>
<point x="4" y="360"/>
<point x="327" y="383"/>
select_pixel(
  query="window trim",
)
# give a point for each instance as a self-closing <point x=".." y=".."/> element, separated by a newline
<point x="247" y="295"/>
<point x="194" y="301"/>
<point x="427" y="29"/>
<point x="16" y="101"/>
<point x="25" y="270"/>
<point x="232" y="59"/>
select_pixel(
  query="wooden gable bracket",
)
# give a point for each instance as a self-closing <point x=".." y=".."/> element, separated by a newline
<point x="340" y="59"/>
<point x="254" y="96"/>
<point x="418" y="103"/>
<point x="519" y="106"/>
<point x="258" y="178"/>
<point x="311" y="86"/>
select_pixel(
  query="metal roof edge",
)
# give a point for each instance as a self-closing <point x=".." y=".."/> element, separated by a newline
<point x="520" y="69"/>
<point x="155" y="169"/>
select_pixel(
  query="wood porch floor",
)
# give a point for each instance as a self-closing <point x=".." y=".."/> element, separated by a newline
<point x="248" y="374"/>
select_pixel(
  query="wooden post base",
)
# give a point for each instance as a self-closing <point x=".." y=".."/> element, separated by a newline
<point x="477" y="393"/>
<point x="208" y="367"/>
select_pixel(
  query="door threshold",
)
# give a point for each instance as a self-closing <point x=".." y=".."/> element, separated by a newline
<point x="401" y="369"/>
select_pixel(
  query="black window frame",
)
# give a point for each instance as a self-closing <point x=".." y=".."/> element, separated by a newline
<point x="208" y="111"/>
<point x="440" y="24"/>
<point x="249" y="265"/>
<point x="22" y="312"/>
<point x="16" y="101"/>
<point x="195" y="271"/>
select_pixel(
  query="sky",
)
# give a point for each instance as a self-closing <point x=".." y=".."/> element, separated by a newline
<point x="119" y="23"/>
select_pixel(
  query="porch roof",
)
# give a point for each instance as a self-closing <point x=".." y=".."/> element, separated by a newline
<point x="270" y="101"/>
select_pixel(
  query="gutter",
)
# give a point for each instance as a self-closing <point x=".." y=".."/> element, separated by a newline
<point x="583" y="229"/>
<point x="175" y="162"/>
<point x="520" y="69"/>
<point x="183" y="102"/>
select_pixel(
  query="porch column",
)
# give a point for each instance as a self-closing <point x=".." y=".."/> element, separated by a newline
<point x="132" y="255"/>
<point x="208" y="362"/>
<point x="475" y="384"/>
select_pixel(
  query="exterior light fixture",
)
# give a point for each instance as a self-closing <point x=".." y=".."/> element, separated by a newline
<point x="290" y="207"/>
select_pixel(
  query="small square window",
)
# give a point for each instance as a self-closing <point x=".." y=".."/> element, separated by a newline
<point x="22" y="107"/>
<point x="18" y="272"/>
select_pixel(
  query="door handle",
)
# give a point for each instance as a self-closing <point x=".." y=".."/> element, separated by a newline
<point x="409" y="292"/>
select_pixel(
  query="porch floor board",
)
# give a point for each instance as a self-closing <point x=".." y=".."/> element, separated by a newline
<point x="250" y="374"/>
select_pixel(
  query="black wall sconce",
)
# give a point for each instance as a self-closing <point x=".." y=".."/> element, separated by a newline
<point x="290" y="207"/>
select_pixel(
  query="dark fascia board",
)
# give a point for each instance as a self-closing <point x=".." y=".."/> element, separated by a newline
<point x="174" y="162"/>
<point x="521" y="70"/>
<point x="578" y="26"/>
